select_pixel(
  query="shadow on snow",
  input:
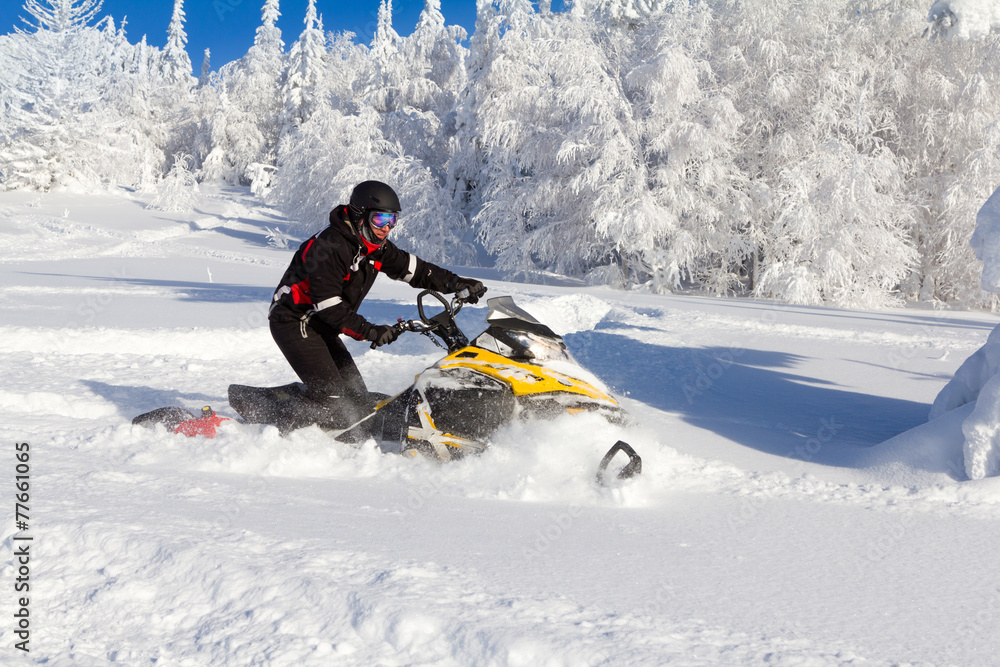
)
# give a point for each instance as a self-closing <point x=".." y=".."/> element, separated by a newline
<point x="132" y="401"/>
<point x="188" y="290"/>
<point x="751" y="397"/>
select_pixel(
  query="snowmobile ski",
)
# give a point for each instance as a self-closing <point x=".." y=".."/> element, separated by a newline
<point x="631" y="469"/>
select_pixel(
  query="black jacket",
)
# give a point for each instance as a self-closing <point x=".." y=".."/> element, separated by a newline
<point x="332" y="272"/>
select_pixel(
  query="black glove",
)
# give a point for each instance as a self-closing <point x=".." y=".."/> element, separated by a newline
<point x="382" y="334"/>
<point x="476" y="289"/>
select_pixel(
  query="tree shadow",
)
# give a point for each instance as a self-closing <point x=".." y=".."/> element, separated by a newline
<point x="751" y="397"/>
<point x="261" y="238"/>
<point x="187" y="290"/>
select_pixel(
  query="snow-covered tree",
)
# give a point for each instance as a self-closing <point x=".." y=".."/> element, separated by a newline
<point x="178" y="109"/>
<point x="61" y="15"/>
<point x="179" y="190"/>
<point x="236" y="143"/>
<point x="267" y="38"/>
<point x="244" y="127"/>
<point x="333" y="151"/>
<point x="688" y="129"/>
<point x="949" y="134"/>
<point x="63" y="126"/>
<point x="206" y="68"/>
<point x="437" y="53"/>
<point x="467" y="156"/>
<point x="304" y="72"/>
<point x="564" y="187"/>
<point x="129" y="92"/>
<point x="176" y="61"/>
<point x="413" y="82"/>
<point x="346" y="67"/>
<point x="386" y="41"/>
<point x="621" y="12"/>
<point x="830" y="219"/>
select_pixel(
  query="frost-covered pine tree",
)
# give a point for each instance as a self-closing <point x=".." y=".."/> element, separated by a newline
<point x="176" y="61"/>
<point x="946" y="99"/>
<point x="179" y="190"/>
<point x="127" y="93"/>
<point x="41" y="144"/>
<point x="206" y="69"/>
<point x="436" y="60"/>
<point x="830" y="219"/>
<point x="244" y="129"/>
<point x="436" y="54"/>
<point x="413" y="82"/>
<point x="467" y="158"/>
<point x="61" y="16"/>
<point x="346" y="69"/>
<point x="386" y="77"/>
<point x="181" y="111"/>
<point x="621" y="12"/>
<point x="304" y="72"/>
<point x="386" y="42"/>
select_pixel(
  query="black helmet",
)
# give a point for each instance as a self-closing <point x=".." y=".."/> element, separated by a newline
<point x="374" y="194"/>
<point x="368" y="196"/>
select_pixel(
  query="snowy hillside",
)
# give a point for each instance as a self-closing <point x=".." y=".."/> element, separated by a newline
<point x="795" y="507"/>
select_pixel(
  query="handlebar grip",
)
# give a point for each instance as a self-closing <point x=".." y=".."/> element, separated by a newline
<point x="400" y="326"/>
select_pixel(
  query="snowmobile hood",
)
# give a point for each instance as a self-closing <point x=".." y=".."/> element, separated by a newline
<point x="523" y="378"/>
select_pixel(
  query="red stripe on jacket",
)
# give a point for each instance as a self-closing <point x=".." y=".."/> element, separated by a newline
<point x="300" y="292"/>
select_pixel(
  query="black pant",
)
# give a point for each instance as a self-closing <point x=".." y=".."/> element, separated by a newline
<point x="334" y="385"/>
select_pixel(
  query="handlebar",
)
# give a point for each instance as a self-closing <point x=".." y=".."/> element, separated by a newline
<point x="444" y="320"/>
<point x="452" y="308"/>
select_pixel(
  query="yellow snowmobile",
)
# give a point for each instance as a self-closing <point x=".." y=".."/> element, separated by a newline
<point x="517" y="368"/>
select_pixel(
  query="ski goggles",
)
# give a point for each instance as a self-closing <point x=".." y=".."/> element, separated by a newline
<point x="383" y="219"/>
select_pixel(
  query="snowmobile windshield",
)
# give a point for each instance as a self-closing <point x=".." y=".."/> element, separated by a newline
<point x="503" y="308"/>
<point x="538" y="348"/>
<point x="515" y="334"/>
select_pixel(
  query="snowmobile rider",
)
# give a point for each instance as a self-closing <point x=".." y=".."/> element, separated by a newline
<point x="321" y="291"/>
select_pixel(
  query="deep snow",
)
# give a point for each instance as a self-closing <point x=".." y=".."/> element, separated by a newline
<point x="796" y="507"/>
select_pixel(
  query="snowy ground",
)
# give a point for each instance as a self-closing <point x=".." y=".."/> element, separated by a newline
<point x="795" y="508"/>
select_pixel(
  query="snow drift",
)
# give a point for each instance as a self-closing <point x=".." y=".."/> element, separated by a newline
<point x="978" y="379"/>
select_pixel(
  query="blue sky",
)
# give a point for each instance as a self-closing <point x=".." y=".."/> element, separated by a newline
<point x="227" y="26"/>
